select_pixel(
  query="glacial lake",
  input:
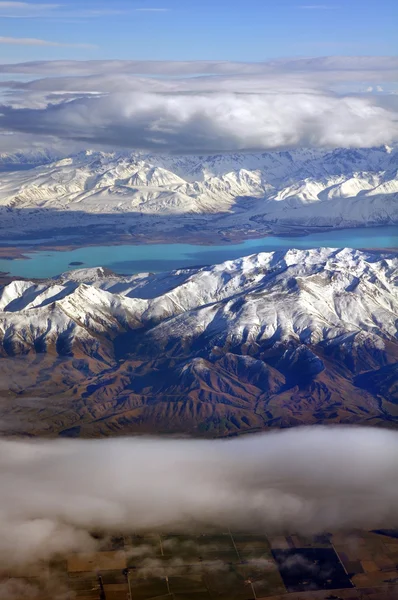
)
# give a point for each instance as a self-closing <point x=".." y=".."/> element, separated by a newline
<point x="130" y="259"/>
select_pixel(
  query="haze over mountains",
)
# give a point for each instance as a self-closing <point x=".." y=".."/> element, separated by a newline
<point x="149" y="196"/>
<point x="272" y="339"/>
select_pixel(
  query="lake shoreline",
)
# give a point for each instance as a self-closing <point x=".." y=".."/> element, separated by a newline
<point x="18" y="251"/>
<point x="15" y="251"/>
<point x="41" y="262"/>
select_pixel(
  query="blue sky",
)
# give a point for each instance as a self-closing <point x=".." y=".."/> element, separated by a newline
<point x="249" y="30"/>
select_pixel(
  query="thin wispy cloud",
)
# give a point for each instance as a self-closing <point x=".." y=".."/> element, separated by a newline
<point x="26" y="9"/>
<point x="27" y="6"/>
<point x="361" y="68"/>
<point x="18" y="10"/>
<point x="38" y="42"/>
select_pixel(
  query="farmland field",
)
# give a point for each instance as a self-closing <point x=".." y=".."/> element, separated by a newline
<point x="222" y="566"/>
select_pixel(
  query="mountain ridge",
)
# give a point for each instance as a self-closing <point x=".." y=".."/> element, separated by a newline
<point x="257" y="192"/>
<point x="273" y="339"/>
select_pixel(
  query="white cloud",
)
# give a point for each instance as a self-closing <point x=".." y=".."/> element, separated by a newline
<point x="357" y="67"/>
<point x="52" y="493"/>
<point x="343" y="75"/>
<point x="60" y="11"/>
<point x="27" y="9"/>
<point x="38" y="42"/>
<point x="211" y="123"/>
<point x="205" y="106"/>
<point x="28" y="6"/>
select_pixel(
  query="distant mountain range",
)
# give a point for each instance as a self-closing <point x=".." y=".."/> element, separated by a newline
<point x="28" y="158"/>
<point x="150" y="196"/>
<point x="269" y="340"/>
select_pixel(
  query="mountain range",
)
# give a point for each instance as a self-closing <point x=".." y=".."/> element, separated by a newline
<point x="102" y="196"/>
<point x="269" y="340"/>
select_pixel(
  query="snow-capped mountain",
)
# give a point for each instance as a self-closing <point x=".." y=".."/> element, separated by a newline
<point x="28" y="158"/>
<point x="135" y="192"/>
<point x="308" y="296"/>
<point x="247" y="334"/>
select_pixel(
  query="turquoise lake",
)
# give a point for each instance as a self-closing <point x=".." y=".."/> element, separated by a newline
<point x="129" y="259"/>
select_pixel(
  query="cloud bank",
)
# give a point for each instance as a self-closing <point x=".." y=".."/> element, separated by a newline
<point x="307" y="480"/>
<point x="355" y="67"/>
<point x="205" y="107"/>
<point x="211" y="123"/>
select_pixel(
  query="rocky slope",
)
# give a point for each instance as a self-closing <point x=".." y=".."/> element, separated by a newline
<point x="223" y="194"/>
<point x="267" y="340"/>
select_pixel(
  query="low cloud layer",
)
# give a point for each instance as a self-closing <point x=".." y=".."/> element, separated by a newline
<point x="53" y="493"/>
<point x="356" y="67"/>
<point x="211" y="123"/>
<point x="204" y="106"/>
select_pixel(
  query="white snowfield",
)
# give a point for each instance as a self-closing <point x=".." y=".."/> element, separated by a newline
<point x="311" y="297"/>
<point x="312" y="188"/>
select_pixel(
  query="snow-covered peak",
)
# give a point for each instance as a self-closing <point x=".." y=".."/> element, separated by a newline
<point x="307" y="296"/>
<point x="262" y="192"/>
